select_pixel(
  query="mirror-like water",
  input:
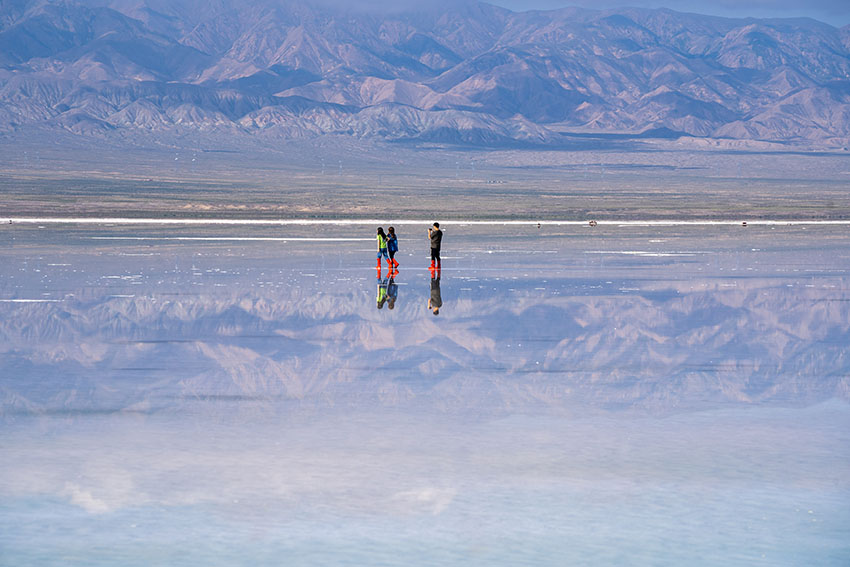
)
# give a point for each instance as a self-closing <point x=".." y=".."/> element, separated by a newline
<point x="253" y="395"/>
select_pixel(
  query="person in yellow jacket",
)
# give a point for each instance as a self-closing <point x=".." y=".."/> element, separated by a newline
<point x="382" y="248"/>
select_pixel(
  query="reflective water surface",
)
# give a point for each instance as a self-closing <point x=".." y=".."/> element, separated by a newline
<point x="552" y="395"/>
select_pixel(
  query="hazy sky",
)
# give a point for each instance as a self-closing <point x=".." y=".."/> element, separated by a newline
<point x="835" y="12"/>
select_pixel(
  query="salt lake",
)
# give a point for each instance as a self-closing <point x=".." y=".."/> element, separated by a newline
<point x="233" y="395"/>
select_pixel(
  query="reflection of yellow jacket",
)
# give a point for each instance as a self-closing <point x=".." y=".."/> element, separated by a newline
<point x="382" y="242"/>
<point x="382" y="292"/>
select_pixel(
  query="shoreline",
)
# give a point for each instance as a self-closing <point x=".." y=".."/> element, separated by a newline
<point x="742" y="222"/>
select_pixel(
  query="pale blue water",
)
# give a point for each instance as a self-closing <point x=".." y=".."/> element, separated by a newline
<point x="640" y="396"/>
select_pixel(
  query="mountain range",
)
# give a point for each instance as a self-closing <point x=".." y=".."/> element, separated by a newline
<point x="462" y="72"/>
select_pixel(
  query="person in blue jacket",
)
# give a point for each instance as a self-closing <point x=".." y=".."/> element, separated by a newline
<point x="392" y="246"/>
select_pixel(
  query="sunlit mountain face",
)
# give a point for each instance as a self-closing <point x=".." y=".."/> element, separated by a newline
<point x="467" y="72"/>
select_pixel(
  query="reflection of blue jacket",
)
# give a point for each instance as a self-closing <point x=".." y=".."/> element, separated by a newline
<point x="392" y="244"/>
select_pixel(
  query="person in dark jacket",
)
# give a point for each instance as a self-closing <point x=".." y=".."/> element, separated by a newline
<point x="436" y="237"/>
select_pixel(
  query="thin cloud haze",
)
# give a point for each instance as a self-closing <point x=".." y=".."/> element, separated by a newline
<point x="835" y="12"/>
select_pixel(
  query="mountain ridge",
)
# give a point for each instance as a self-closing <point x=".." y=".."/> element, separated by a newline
<point x="304" y="69"/>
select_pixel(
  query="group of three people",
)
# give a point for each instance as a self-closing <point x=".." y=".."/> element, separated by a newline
<point x="387" y="248"/>
<point x="388" y="245"/>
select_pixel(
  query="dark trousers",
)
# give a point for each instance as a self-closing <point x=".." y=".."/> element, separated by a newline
<point x="435" y="255"/>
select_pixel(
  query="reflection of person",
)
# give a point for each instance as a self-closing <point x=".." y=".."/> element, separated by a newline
<point x="382" y="293"/>
<point x="392" y="292"/>
<point x="436" y="300"/>
<point x="436" y="236"/>
<point x="382" y="247"/>
<point x="392" y="246"/>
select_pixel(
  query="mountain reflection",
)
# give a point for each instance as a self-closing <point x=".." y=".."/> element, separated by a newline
<point x="660" y="346"/>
